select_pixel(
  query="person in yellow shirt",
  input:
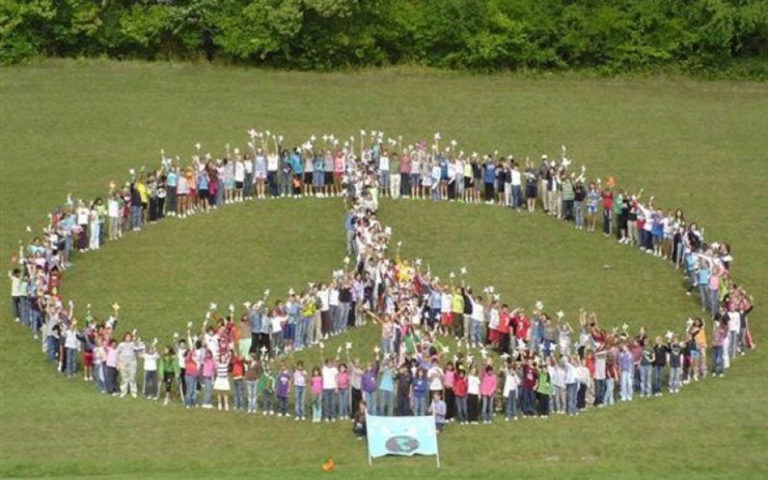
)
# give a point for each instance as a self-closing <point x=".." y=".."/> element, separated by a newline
<point x="457" y="308"/>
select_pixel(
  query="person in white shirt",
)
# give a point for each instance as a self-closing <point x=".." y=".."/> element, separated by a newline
<point x="239" y="178"/>
<point x="476" y="326"/>
<point x="509" y="391"/>
<point x="149" y="386"/>
<point x="330" y="390"/>
<point x="384" y="173"/>
<point x="517" y="189"/>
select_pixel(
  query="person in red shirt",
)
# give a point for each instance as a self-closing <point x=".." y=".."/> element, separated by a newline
<point x="504" y="321"/>
<point x="460" y="396"/>
<point x="522" y="325"/>
<point x="607" y="197"/>
<point x="530" y="374"/>
<point x="238" y="369"/>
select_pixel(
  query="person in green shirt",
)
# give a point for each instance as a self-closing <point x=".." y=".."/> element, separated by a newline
<point x="543" y="389"/>
<point x="267" y="389"/>
<point x="168" y="366"/>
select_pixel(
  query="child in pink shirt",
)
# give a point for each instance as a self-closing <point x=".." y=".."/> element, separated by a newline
<point x="487" y="390"/>
<point x="316" y="392"/>
<point x="342" y="383"/>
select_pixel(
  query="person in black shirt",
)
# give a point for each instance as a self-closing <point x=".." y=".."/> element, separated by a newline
<point x="659" y="361"/>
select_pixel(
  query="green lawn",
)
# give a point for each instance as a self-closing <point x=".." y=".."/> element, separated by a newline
<point x="73" y="126"/>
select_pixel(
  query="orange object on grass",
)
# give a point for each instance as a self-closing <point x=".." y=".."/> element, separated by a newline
<point x="328" y="465"/>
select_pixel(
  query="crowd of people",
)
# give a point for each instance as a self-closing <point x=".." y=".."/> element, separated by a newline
<point x="445" y="348"/>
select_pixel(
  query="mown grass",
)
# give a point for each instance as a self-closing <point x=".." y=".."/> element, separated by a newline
<point x="72" y="126"/>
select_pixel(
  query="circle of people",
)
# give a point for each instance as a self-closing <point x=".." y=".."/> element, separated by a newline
<point x="526" y="363"/>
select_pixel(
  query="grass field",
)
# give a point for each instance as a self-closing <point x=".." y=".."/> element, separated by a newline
<point x="73" y="126"/>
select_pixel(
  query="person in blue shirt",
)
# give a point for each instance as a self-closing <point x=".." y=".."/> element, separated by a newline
<point x="298" y="171"/>
<point x="386" y="391"/>
<point x="420" y="392"/>
<point x="489" y="176"/>
<point x="703" y="276"/>
<point x="435" y="298"/>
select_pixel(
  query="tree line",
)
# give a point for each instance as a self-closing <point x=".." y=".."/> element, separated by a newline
<point x="483" y="35"/>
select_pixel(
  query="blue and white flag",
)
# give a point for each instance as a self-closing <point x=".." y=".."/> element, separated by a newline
<point x="401" y="436"/>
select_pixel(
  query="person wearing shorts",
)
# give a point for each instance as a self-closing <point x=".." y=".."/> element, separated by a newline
<point x="309" y="169"/>
<point x="318" y="175"/>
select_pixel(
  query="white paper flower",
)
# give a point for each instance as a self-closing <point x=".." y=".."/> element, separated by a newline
<point x="463" y="270"/>
<point x="197" y="145"/>
<point x="213" y="306"/>
<point x="376" y="349"/>
<point x="346" y="260"/>
<point x="362" y="133"/>
<point x="560" y="314"/>
<point x="266" y="293"/>
<point x="452" y="275"/>
<point x="437" y="136"/>
<point x="252" y="133"/>
<point x="348" y="345"/>
<point x="539" y="305"/>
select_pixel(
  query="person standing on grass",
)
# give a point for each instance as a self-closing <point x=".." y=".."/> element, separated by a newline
<point x="509" y="391"/>
<point x="473" y="395"/>
<point x="150" y="387"/>
<point x="221" y="384"/>
<point x="719" y="333"/>
<point x="252" y="378"/>
<point x="543" y="389"/>
<point x="267" y="389"/>
<point x="299" y="391"/>
<point x="404" y="381"/>
<point x="191" y="373"/>
<point x="420" y="392"/>
<point x="329" y="375"/>
<point x="437" y="408"/>
<point x="460" y="395"/>
<point x="168" y="366"/>
<point x="126" y="364"/>
<point x="316" y="392"/>
<point x="675" y="364"/>
<point x="607" y="200"/>
<point x="283" y="390"/>
<point x="625" y="362"/>
<point x="487" y="392"/>
<point x="659" y="361"/>
<point x="571" y="384"/>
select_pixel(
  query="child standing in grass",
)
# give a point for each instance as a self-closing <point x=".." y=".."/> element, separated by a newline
<point x="473" y="395"/>
<point x="252" y="377"/>
<point x="299" y="390"/>
<point x="675" y="364"/>
<point x="267" y="389"/>
<point x="511" y="382"/>
<point x="169" y="369"/>
<point x="150" y="373"/>
<point x="282" y="390"/>
<point x="316" y="392"/>
<point x="206" y="374"/>
<point x="437" y="408"/>
<point x="543" y="390"/>
<point x="238" y="368"/>
<point x="487" y="392"/>
<point x="221" y="384"/>
<point x="342" y="383"/>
